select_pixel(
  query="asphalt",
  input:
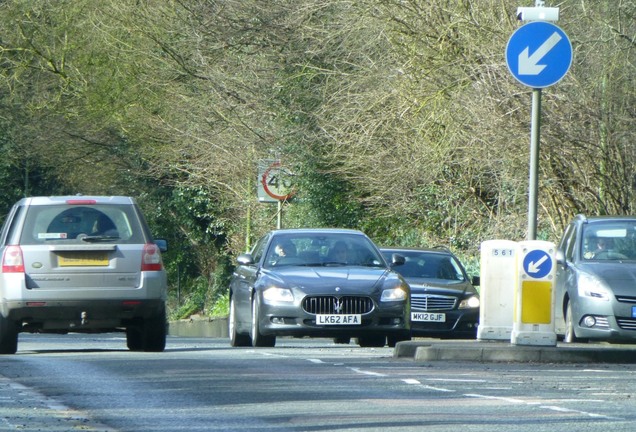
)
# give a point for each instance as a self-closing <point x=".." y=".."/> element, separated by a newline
<point x="429" y="350"/>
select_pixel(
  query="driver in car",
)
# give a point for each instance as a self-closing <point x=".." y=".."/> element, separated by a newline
<point x="597" y="246"/>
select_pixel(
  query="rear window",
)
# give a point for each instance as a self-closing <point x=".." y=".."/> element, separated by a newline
<point x="81" y="223"/>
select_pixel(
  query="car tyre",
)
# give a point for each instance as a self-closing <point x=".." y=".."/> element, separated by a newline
<point x="372" y="341"/>
<point x="149" y="336"/>
<point x="236" y="339"/>
<point x="8" y="336"/>
<point x="133" y="338"/>
<point x="155" y="331"/>
<point x="570" y="336"/>
<point x="259" y="340"/>
<point x="342" y="340"/>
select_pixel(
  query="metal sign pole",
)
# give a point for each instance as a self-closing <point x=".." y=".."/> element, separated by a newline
<point x="533" y="187"/>
<point x="538" y="55"/>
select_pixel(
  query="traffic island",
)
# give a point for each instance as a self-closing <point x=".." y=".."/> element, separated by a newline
<point x="199" y="326"/>
<point x="480" y="351"/>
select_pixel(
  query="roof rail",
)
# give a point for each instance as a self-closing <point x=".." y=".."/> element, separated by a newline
<point x="581" y="217"/>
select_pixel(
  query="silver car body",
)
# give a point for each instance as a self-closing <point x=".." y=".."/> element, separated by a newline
<point x="596" y="289"/>
<point x="81" y="264"/>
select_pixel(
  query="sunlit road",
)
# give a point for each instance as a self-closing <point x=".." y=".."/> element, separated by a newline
<point x="93" y="383"/>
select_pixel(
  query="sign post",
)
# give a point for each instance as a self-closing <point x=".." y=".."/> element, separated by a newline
<point x="274" y="185"/>
<point x="538" y="55"/>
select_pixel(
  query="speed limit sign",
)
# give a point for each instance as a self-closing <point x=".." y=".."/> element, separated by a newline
<point x="276" y="183"/>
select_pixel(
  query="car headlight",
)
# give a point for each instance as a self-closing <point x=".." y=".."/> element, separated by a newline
<point x="469" y="303"/>
<point x="276" y="294"/>
<point x="394" y="294"/>
<point x="592" y="287"/>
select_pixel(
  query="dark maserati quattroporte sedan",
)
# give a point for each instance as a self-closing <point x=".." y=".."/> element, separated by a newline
<point x="318" y="283"/>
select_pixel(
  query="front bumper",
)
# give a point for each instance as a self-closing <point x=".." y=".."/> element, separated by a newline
<point x="611" y="321"/>
<point x="290" y="320"/>
<point x="459" y="324"/>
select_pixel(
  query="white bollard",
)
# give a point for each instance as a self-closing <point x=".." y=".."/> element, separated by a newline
<point x="498" y="275"/>
<point x="534" y="294"/>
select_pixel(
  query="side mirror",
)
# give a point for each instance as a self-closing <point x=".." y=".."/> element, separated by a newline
<point x="245" y="259"/>
<point x="560" y="258"/>
<point x="162" y="244"/>
<point x="397" y="260"/>
<point x="476" y="281"/>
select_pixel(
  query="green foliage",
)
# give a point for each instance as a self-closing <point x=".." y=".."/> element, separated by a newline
<point x="221" y="306"/>
<point x="193" y="300"/>
<point x="399" y="118"/>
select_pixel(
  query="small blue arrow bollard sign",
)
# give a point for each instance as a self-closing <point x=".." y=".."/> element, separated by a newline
<point x="537" y="264"/>
<point x="539" y="54"/>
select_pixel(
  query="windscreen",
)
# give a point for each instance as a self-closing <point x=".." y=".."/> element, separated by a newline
<point x="609" y="240"/>
<point x="319" y="249"/>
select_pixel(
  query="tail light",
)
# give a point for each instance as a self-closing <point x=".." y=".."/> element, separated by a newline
<point x="151" y="258"/>
<point x="12" y="261"/>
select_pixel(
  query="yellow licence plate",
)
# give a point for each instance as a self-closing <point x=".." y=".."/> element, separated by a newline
<point x="74" y="259"/>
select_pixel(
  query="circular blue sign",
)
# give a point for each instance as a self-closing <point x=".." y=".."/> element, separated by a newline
<point x="537" y="264"/>
<point x="539" y="54"/>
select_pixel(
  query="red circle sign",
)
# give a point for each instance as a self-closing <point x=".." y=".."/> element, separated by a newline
<point x="276" y="182"/>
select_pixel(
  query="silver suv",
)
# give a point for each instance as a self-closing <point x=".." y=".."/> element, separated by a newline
<point x="81" y="264"/>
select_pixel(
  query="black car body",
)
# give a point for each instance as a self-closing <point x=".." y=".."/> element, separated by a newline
<point x="312" y="292"/>
<point x="595" y="286"/>
<point x="444" y="301"/>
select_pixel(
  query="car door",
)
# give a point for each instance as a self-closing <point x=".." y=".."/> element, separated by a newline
<point x="566" y="248"/>
<point x="242" y="286"/>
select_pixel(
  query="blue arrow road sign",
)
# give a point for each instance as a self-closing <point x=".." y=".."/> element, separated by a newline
<point x="539" y="54"/>
<point x="537" y="264"/>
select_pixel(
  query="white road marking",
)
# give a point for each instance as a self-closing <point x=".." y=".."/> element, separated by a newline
<point x="356" y="370"/>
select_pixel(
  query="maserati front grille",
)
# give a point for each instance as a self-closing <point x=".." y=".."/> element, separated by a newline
<point x="337" y="305"/>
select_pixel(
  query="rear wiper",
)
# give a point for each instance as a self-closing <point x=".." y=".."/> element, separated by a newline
<point x="99" y="238"/>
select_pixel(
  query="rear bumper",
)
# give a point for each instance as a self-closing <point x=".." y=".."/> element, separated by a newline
<point x="80" y="315"/>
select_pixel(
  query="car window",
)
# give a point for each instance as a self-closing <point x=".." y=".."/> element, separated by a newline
<point x="568" y="242"/>
<point x="609" y="240"/>
<point x="259" y="248"/>
<point x="11" y="221"/>
<point x="63" y="223"/>
<point x="311" y="249"/>
<point x="430" y="266"/>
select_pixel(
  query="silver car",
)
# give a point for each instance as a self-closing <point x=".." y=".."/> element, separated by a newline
<point x="81" y="264"/>
<point x="595" y="286"/>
